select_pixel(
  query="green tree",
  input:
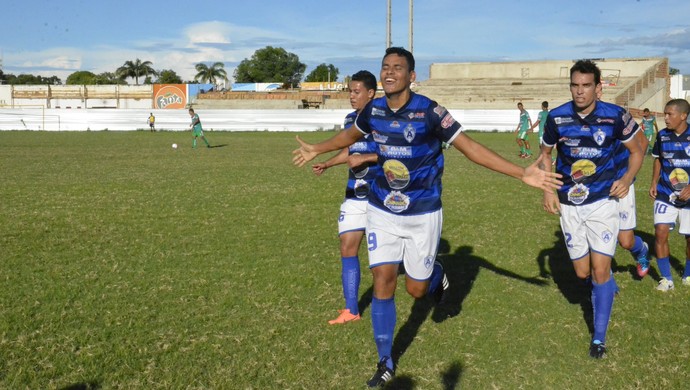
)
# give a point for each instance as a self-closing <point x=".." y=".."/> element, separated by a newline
<point x="81" y="77"/>
<point x="322" y="73"/>
<point x="168" y="76"/>
<point x="135" y="69"/>
<point x="673" y="71"/>
<point x="210" y="74"/>
<point x="270" y="65"/>
<point x="30" y="79"/>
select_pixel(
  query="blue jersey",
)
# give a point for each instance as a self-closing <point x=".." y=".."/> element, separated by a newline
<point x="360" y="178"/>
<point x="673" y="152"/>
<point x="588" y="154"/>
<point x="409" y="150"/>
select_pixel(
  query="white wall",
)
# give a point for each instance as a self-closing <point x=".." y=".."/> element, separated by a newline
<point x="223" y="120"/>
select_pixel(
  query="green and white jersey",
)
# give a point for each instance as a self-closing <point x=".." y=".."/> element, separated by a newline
<point x="543" y="114"/>
<point x="524" y="121"/>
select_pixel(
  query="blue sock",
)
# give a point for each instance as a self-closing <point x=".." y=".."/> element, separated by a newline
<point x="664" y="268"/>
<point x="383" y="317"/>
<point x="436" y="277"/>
<point x="686" y="273"/>
<point x="638" y="247"/>
<point x="351" y="277"/>
<point x="602" y="302"/>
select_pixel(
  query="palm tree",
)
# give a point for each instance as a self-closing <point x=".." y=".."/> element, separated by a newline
<point x="134" y="69"/>
<point x="210" y="74"/>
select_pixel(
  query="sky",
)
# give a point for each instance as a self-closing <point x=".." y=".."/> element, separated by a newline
<point x="57" y="38"/>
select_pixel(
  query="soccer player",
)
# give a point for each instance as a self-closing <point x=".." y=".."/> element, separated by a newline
<point x="670" y="189"/>
<point x="628" y="213"/>
<point x="152" y="122"/>
<point x="197" y="131"/>
<point x="587" y="133"/>
<point x="362" y="159"/>
<point x="650" y="127"/>
<point x="541" y="120"/>
<point x="404" y="214"/>
<point x="524" y="125"/>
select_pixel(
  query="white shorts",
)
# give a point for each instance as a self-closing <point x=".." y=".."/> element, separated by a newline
<point x="410" y="239"/>
<point x="626" y="210"/>
<point x="591" y="227"/>
<point x="353" y="216"/>
<point x="665" y="213"/>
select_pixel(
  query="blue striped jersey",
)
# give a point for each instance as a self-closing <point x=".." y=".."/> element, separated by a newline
<point x="360" y="178"/>
<point x="588" y="154"/>
<point x="673" y="152"/>
<point x="409" y="152"/>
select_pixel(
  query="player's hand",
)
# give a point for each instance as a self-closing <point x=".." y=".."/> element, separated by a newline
<point x="319" y="168"/>
<point x="356" y="160"/>
<point x="545" y="180"/>
<point x="551" y="203"/>
<point x="620" y="189"/>
<point x="684" y="194"/>
<point x="304" y="153"/>
<point x="652" y="191"/>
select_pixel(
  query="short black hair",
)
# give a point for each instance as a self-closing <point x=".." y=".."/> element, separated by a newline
<point x="367" y="78"/>
<point x="681" y="104"/>
<point x="545" y="104"/>
<point x="587" y="67"/>
<point x="401" y="51"/>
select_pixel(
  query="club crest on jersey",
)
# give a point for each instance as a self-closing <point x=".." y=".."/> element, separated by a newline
<point x="397" y="202"/>
<point x="624" y="215"/>
<point x="428" y="262"/>
<point x="599" y="137"/>
<point x="687" y="150"/>
<point x="410" y="133"/>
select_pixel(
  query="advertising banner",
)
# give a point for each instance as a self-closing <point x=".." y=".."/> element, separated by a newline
<point x="169" y="96"/>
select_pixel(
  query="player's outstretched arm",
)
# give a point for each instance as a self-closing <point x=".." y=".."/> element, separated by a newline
<point x="532" y="175"/>
<point x="357" y="160"/>
<point x="307" y="152"/>
<point x="340" y="158"/>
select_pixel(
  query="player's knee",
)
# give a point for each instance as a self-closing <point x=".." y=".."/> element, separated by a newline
<point x="416" y="290"/>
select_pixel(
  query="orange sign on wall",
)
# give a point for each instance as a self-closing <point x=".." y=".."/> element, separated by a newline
<point x="172" y="96"/>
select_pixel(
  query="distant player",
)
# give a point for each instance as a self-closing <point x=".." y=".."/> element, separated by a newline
<point x="197" y="131"/>
<point x="152" y="122"/>
<point x="404" y="215"/>
<point x="541" y="121"/>
<point x="670" y="189"/>
<point x="362" y="159"/>
<point x="587" y="134"/>
<point x="524" y="125"/>
<point x="650" y="127"/>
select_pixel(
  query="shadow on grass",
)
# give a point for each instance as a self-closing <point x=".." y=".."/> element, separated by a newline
<point x="83" y="386"/>
<point x="462" y="268"/>
<point x="218" y="146"/>
<point x="574" y="290"/>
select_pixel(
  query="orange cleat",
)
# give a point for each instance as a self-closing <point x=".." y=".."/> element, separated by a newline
<point x="344" y="317"/>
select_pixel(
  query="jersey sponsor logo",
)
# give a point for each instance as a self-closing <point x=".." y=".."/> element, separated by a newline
<point x="377" y="112"/>
<point x="599" y="137"/>
<point x="397" y="202"/>
<point x="358" y="147"/>
<point x="395" y="151"/>
<point x="360" y="171"/>
<point x="349" y="121"/>
<point x="578" y="194"/>
<point x="582" y="169"/>
<point x="665" y="138"/>
<point x="586" y="152"/>
<point x="561" y="120"/>
<point x="668" y="155"/>
<point x="447" y="121"/>
<point x="416" y="115"/>
<point x="606" y="120"/>
<point x="678" y="179"/>
<point x="680" y="162"/>
<point x="570" y="141"/>
<point x="410" y="133"/>
<point x="396" y="173"/>
<point x="629" y="126"/>
<point x="627" y="117"/>
<point x="395" y="125"/>
<point x="379" y="138"/>
<point x="440" y="111"/>
<point x="606" y="236"/>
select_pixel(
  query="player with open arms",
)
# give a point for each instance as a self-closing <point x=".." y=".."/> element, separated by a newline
<point x="362" y="159"/>
<point x="404" y="214"/>
<point x="586" y="133"/>
<point x="669" y="188"/>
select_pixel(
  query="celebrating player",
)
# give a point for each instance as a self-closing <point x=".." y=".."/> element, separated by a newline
<point x="362" y="159"/>
<point x="587" y="133"/>
<point x="404" y="214"/>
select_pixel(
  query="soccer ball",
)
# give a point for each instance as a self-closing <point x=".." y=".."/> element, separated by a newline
<point x="174" y="146"/>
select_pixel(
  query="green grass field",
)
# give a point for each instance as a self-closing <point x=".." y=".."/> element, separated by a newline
<point x="127" y="264"/>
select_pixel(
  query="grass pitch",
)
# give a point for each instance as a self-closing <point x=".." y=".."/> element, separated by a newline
<point x="127" y="264"/>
